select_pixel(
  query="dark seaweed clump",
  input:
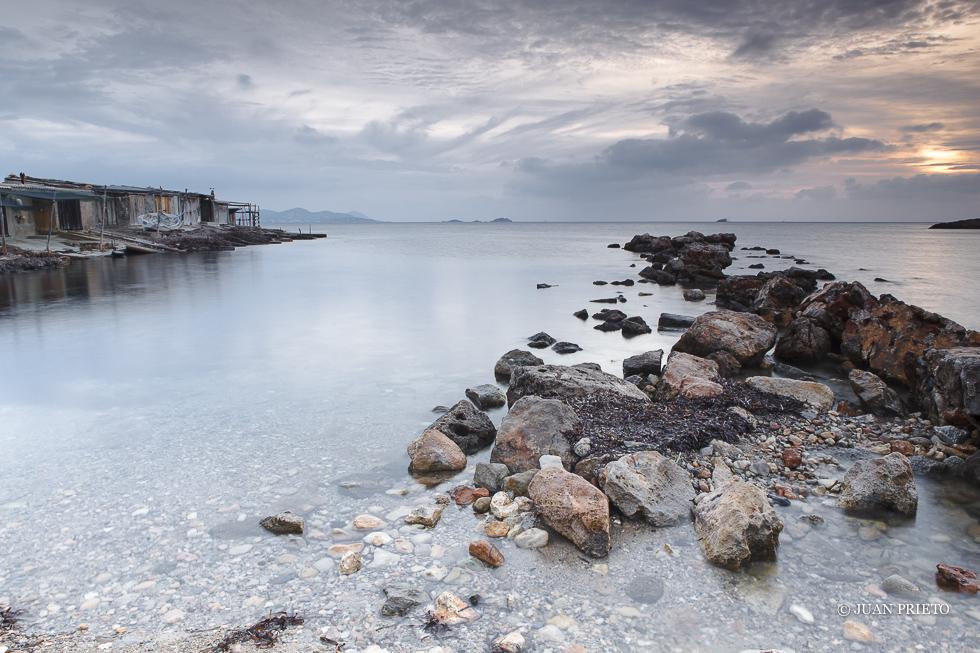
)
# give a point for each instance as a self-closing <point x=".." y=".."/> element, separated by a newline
<point x="24" y="261"/>
<point x="264" y="634"/>
<point x="617" y="425"/>
<point x="8" y="619"/>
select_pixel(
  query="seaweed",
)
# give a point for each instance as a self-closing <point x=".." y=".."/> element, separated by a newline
<point x="8" y="619"/>
<point x="431" y="624"/>
<point x="265" y="634"/>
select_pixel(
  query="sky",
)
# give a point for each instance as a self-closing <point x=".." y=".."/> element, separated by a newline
<point x="423" y="110"/>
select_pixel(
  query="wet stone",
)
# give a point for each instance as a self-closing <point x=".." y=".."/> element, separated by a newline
<point x="401" y="599"/>
<point x="645" y="589"/>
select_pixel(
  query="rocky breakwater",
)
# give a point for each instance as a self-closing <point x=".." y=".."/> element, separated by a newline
<point x="691" y="257"/>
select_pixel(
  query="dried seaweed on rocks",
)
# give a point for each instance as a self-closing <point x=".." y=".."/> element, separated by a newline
<point x="265" y="634"/>
<point x="25" y="261"/>
<point x="431" y="624"/>
<point x="617" y="425"/>
<point x="212" y="239"/>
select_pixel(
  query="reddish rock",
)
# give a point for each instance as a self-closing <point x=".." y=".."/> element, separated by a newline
<point x="464" y="495"/>
<point x="845" y="409"/>
<point x="831" y="306"/>
<point x="485" y="550"/>
<point x="745" y="336"/>
<point x="957" y="578"/>
<point x="792" y="457"/>
<point x="949" y="385"/>
<point x="534" y="427"/>
<point x="434" y="452"/>
<point x="573" y="507"/>
<point x="688" y="376"/>
<point x="728" y="366"/>
<point x="903" y="447"/>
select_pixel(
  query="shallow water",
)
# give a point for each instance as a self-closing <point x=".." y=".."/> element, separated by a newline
<point x="141" y="391"/>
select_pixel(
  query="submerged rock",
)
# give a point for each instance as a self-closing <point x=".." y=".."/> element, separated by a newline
<point x="674" y="321"/>
<point x="957" y="578"/>
<point x="565" y="348"/>
<point x="573" y="507"/>
<point x="486" y="552"/>
<point x="401" y="599"/>
<point x="284" y="523"/>
<point x="736" y="524"/>
<point x="879" y="484"/>
<point x="467" y="426"/>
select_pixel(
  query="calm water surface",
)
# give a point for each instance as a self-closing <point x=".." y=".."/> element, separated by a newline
<point x="255" y="378"/>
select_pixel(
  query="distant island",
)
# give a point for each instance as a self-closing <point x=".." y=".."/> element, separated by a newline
<point x="972" y="223"/>
<point x="722" y="220"/>
<point x="481" y="221"/>
<point x="302" y="216"/>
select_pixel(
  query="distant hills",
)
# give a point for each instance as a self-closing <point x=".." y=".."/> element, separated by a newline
<point x="971" y="223"/>
<point x="301" y="216"/>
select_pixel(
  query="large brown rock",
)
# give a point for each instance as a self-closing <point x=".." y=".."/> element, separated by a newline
<point x="950" y="387"/>
<point x="573" y="507"/>
<point x="831" y="306"/>
<point x="559" y="381"/>
<point x="650" y="486"/>
<point x="875" y="395"/>
<point x="745" y="336"/>
<point x="534" y="427"/>
<point x="739" y="292"/>
<point x="879" y="484"/>
<point x="776" y="299"/>
<point x="736" y="524"/>
<point x="689" y="376"/>
<point x="884" y="338"/>
<point x="434" y="452"/>
<point x="804" y="341"/>
<point x="467" y="426"/>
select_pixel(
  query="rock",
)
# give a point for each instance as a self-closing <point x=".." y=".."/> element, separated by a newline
<point x="688" y="376"/>
<point x="434" y="452"/>
<point x="468" y="427"/>
<point x="952" y="435"/>
<point x="401" y="599"/>
<point x="889" y="338"/>
<point x="557" y="381"/>
<point x="512" y="642"/>
<point x="542" y="286"/>
<point x="895" y="584"/>
<point x="486" y="396"/>
<point x="875" y="396"/>
<point x="540" y="340"/>
<point x="448" y="608"/>
<point x="514" y="358"/>
<point x="565" y="348"/>
<point x="534" y="427"/>
<point x="502" y="506"/>
<point x="831" y="306"/>
<point x="879" y="484"/>
<point x="377" y="539"/>
<point x="735" y="525"/>
<point x="573" y="507"/>
<point x="425" y="515"/>
<point x="582" y="315"/>
<point x="173" y="616"/>
<point x="481" y="505"/>
<point x="957" y="579"/>
<point x="674" y="321"/>
<point x="485" y="551"/>
<point x="803" y="342"/>
<point x="464" y="495"/>
<point x="368" y="523"/>
<point x="517" y="483"/>
<point x="803" y="615"/>
<point x="550" y="634"/>
<point x="949" y="387"/>
<point x="857" y="632"/>
<point x="284" y="523"/>
<point x="971" y="468"/>
<point x="496" y="529"/>
<point x="490" y="476"/>
<point x="816" y="394"/>
<point x="745" y="336"/>
<point x="552" y="461"/>
<point x="350" y="563"/>
<point x="738" y="292"/>
<point x="609" y="315"/>
<point x="645" y="589"/>
<point x="728" y="366"/>
<point x="532" y="538"/>
<point x="792" y="457"/>
<point x="634" y="326"/>
<point x="693" y="295"/>
<point x="776" y="299"/>
<point x="643" y="364"/>
<point x="650" y="486"/>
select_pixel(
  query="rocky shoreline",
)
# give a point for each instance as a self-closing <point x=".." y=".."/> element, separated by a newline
<point x="648" y="475"/>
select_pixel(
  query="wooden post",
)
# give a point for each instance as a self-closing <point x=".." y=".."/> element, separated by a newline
<point x="54" y="214"/>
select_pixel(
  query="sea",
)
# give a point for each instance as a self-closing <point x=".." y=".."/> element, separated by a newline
<point x="147" y="402"/>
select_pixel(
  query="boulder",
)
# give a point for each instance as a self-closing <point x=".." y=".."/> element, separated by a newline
<point x="949" y="388"/>
<point x="490" y="476"/>
<point x="688" y="376"/>
<point x="738" y="292"/>
<point x="534" y="427"/>
<point x="540" y="340"/>
<point x="875" y="395"/>
<point x="879" y="484"/>
<point x="434" y="452"/>
<point x="609" y="315"/>
<point x="736" y="524"/>
<point x="693" y="295"/>
<point x="650" y="486"/>
<point x="634" y="326"/>
<point x="582" y="315"/>
<point x="284" y="523"/>
<point x="831" y="306"/>
<point x="894" y="335"/>
<point x="674" y="321"/>
<point x="746" y="337"/>
<point x="557" y="381"/>
<point x="816" y="394"/>
<point x="565" y="348"/>
<point x="705" y="259"/>
<point x="573" y="507"/>
<point x="804" y="341"/>
<point x="644" y="364"/>
<point x="471" y="429"/>
<point x="517" y="484"/>
<point x="727" y="365"/>
<point x="514" y="358"/>
<point x="486" y="396"/>
<point x="778" y="295"/>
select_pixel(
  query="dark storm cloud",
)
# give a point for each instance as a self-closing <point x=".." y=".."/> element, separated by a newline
<point x="920" y="188"/>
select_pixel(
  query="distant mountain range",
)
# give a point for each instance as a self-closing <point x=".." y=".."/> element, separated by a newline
<point x="302" y="216"/>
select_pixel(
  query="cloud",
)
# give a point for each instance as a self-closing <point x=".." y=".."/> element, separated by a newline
<point x="821" y="193"/>
<point x="738" y="185"/>
<point x="244" y="81"/>
<point x="923" y="128"/>
<point x="920" y="188"/>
